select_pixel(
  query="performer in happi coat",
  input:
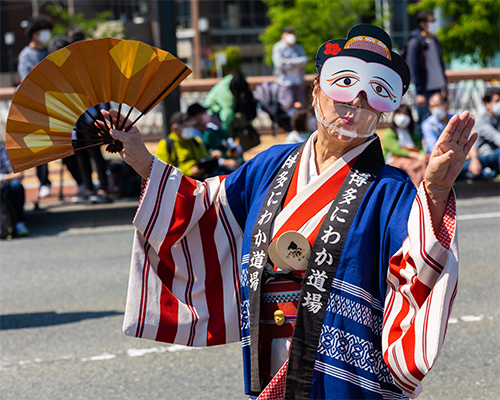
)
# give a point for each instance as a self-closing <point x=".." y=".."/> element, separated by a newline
<point x="337" y="275"/>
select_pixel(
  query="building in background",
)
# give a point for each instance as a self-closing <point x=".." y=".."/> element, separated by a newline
<point x="220" y="24"/>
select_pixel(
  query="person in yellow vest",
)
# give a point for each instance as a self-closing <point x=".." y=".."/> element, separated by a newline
<point x="182" y="148"/>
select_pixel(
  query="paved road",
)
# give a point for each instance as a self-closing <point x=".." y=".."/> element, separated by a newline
<point x="62" y="299"/>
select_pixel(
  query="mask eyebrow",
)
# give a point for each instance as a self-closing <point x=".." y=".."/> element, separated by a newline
<point x="379" y="77"/>
<point x="344" y="70"/>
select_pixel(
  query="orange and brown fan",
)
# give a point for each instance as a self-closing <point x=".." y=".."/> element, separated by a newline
<point x="70" y="81"/>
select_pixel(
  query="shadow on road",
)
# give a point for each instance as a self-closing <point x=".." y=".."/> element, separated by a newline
<point x="40" y="319"/>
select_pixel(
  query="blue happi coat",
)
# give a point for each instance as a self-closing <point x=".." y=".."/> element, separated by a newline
<point x="349" y="360"/>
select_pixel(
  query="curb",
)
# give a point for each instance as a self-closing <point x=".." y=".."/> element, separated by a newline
<point x="63" y="216"/>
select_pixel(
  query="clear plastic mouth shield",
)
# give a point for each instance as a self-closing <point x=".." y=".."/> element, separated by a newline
<point x="349" y="122"/>
<point x="363" y="62"/>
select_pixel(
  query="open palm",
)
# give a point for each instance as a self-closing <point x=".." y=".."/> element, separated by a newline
<point x="450" y="152"/>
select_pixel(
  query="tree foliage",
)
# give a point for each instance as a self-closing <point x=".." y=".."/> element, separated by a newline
<point x="93" y="28"/>
<point x="314" y="21"/>
<point x="234" y="60"/>
<point x="472" y="27"/>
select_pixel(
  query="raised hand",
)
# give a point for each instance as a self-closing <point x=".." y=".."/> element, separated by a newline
<point x="135" y="152"/>
<point x="450" y="152"/>
<point x="446" y="162"/>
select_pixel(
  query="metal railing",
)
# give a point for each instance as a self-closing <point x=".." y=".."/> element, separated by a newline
<point x="465" y="88"/>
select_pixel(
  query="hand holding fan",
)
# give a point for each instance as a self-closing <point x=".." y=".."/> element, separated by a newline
<point x="70" y="81"/>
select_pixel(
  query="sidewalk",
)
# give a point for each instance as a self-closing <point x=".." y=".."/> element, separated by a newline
<point x="56" y="214"/>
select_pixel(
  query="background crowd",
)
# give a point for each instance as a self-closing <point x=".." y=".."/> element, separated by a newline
<point x="210" y="139"/>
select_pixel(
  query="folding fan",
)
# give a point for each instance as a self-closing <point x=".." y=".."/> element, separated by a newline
<point x="70" y="81"/>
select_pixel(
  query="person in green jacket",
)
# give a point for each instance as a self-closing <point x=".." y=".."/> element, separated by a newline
<point x="221" y="101"/>
<point x="182" y="148"/>
<point x="216" y="140"/>
<point x="402" y="146"/>
<point x="232" y="101"/>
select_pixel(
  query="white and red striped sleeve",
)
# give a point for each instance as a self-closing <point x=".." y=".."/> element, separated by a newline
<point x="422" y="283"/>
<point x="184" y="277"/>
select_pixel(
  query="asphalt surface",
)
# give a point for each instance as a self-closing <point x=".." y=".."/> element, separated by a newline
<point x="62" y="297"/>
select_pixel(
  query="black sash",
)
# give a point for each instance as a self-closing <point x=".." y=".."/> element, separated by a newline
<point x="320" y="271"/>
<point x="258" y="257"/>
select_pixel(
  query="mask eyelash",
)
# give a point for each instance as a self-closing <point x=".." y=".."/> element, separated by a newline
<point x="387" y="91"/>
<point x="334" y="81"/>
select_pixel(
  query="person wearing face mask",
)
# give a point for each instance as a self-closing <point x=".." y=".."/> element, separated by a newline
<point x="289" y="60"/>
<point x="303" y="125"/>
<point x="433" y="126"/>
<point x="216" y="140"/>
<point x="403" y="147"/>
<point x="182" y="148"/>
<point x="425" y="59"/>
<point x="332" y="269"/>
<point x="39" y="32"/>
<point x="488" y="129"/>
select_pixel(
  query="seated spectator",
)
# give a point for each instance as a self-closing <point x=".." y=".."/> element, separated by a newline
<point x="488" y="128"/>
<point x="182" y="148"/>
<point x="432" y="128"/>
<point x="303" y="125"/>
<point x="403" y="147"/>
<point x="216" y="139"/>
<point x="12" y="195"/>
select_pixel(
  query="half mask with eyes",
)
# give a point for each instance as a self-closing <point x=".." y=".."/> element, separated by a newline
<point x="363" y="62"/>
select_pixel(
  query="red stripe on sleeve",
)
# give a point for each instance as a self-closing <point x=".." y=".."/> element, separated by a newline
<point x="396" y="264"/>
<point x="188" y="293"/>
<point x="420" y="291"/>
<point x="216" y="329"/>
<point x="408" y="346"/>
<point x="401" y="384"/>
<point x="183" y="210"/>
<point x="234" y="252"/>
<point x="169" y="305"/>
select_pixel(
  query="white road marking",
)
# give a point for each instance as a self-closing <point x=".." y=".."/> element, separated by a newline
<point x="472" y="318"/>
<point x="170" y="349"/>
<point x="469" y="318"/>
<point x="100" y="357"/>
<point x="478" y="216"/>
